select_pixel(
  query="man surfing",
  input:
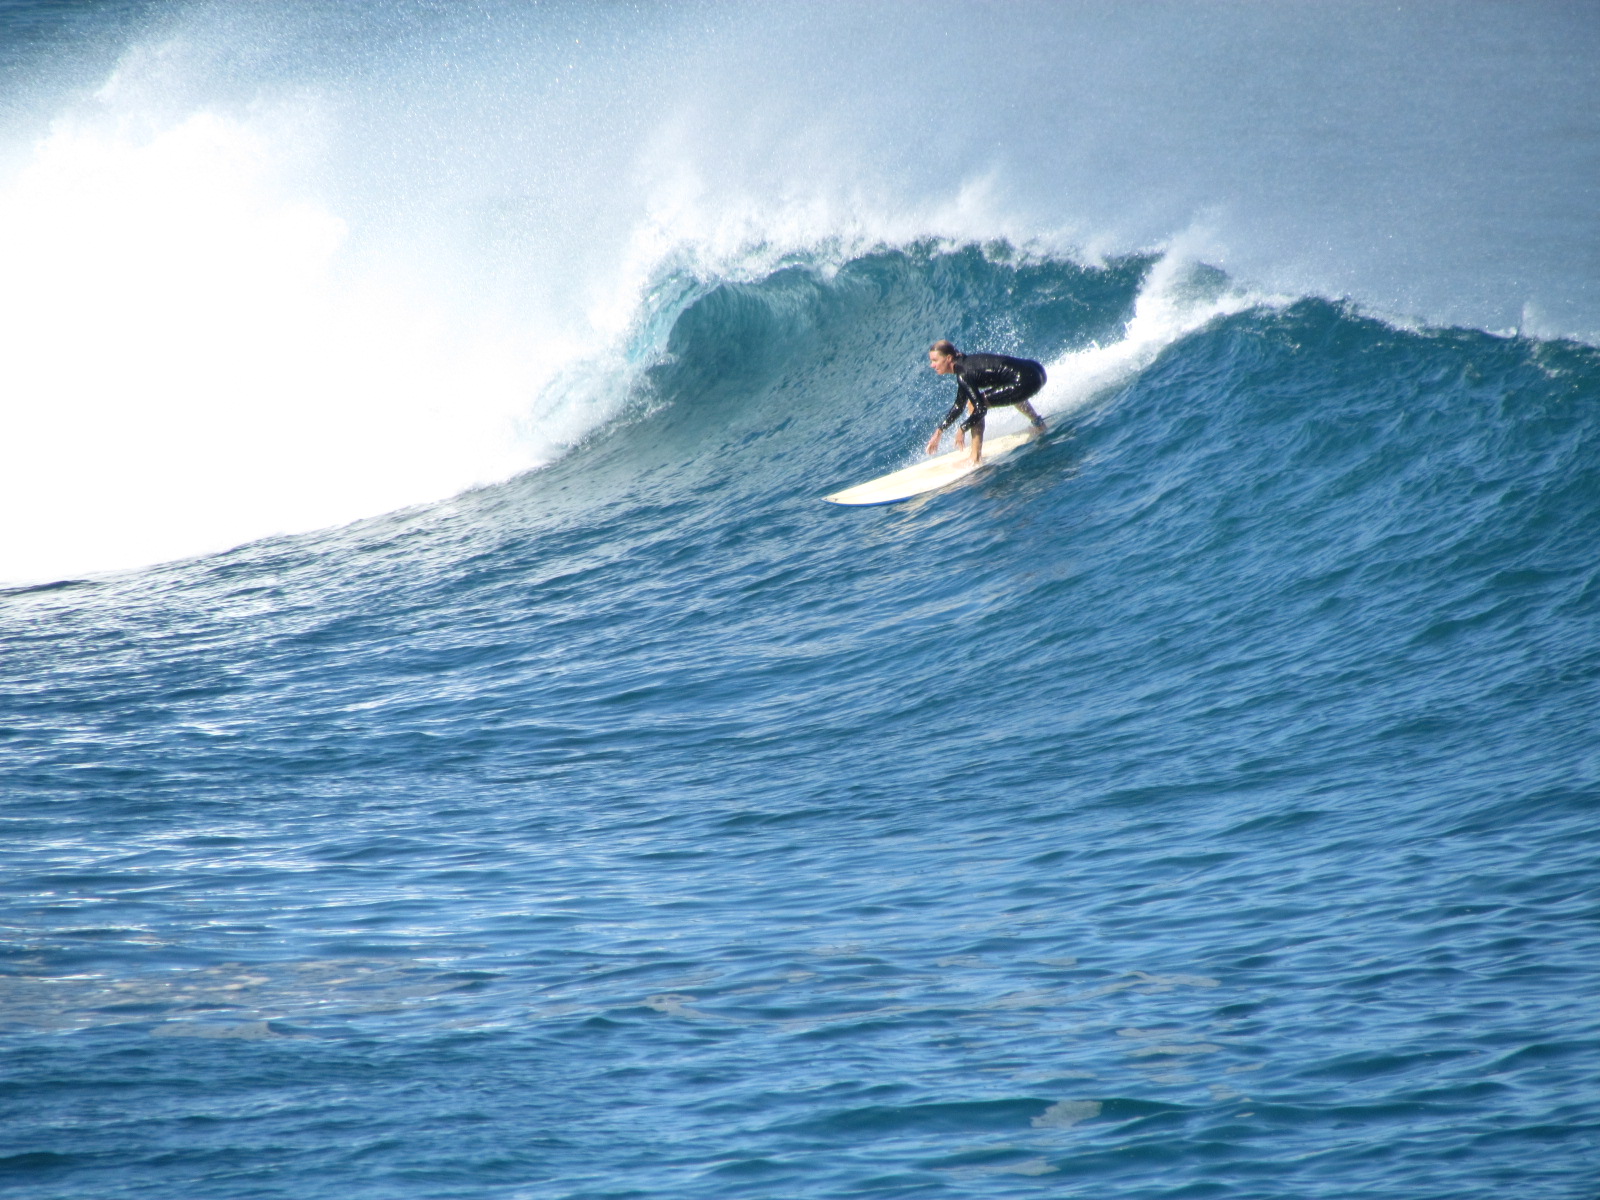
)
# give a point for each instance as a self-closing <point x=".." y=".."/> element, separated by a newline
<point x="984" y="381"/>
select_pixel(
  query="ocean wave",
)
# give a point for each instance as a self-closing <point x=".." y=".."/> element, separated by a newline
<point x="280" y="268"/>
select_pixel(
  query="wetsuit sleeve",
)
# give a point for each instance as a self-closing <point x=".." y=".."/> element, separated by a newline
<point x="963" y="393"/>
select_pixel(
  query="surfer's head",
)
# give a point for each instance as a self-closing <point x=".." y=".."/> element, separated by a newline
<point x="942" y="357"/>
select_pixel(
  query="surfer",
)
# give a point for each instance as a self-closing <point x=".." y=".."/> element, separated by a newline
<point x="984" y="381"/>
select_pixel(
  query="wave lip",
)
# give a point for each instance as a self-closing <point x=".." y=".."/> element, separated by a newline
<point x="1179" y="297"/>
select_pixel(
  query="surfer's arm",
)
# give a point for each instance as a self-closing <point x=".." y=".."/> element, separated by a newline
<point x="962" y="401"/>
<point x="955" y="410"/>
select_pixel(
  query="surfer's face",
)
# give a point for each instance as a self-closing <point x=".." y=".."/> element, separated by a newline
<point x="944" y="364"/>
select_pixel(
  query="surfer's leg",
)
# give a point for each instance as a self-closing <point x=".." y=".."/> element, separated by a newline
<point x="976" y="421"/>
<point x="1018" y="395"/>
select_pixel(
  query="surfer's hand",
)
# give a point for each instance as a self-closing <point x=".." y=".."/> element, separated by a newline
<point x="961" y="439"/>
<point x="933" y="442"/>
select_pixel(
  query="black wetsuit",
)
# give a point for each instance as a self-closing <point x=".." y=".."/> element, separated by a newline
<point x="991" y="381"/>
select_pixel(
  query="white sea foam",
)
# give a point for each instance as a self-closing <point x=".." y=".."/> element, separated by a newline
<point x="1173" y="303"/>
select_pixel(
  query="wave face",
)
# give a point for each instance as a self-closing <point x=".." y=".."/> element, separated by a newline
<point x="1202" y="796"/>
<point x="1201" y="800"/>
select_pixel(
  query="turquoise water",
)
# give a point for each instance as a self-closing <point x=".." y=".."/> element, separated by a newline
<point x="1201" y="803"/>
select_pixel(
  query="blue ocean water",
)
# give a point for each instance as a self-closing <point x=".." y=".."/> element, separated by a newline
<point x="1201" y="803"/>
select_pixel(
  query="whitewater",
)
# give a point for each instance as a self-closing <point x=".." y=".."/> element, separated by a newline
<point x="448" y="749"/>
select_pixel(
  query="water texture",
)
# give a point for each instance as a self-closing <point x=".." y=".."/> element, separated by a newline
<point x="1200" y="803"/>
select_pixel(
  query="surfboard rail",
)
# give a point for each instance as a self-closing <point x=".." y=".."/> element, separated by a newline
<point x="930" y="474"/>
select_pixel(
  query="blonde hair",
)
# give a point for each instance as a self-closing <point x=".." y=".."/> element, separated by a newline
<point x="945" y="349"/>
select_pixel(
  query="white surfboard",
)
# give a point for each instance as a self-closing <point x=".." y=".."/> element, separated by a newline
<point x="929" y="474"/>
